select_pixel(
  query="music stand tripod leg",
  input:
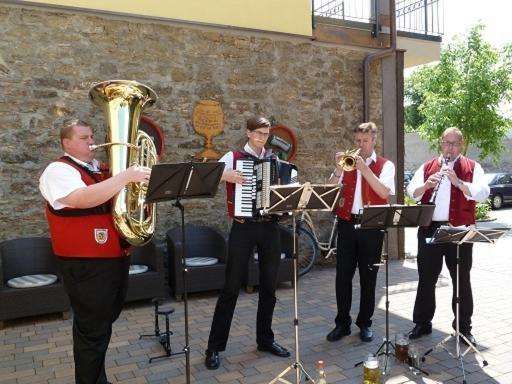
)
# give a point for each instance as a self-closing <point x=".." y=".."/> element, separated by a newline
<point x="387" y="342"/>
<point x="299" y="368"/>
<point x="458" y="335"/>
<point x="186" y="348"/>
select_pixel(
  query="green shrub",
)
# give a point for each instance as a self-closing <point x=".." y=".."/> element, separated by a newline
<point x="409" y="200"/>
<point x="482" y="210"/>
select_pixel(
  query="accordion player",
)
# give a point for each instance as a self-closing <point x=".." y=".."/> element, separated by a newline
<point x="254" y="195"/>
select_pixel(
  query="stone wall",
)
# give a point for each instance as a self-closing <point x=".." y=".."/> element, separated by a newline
<point x="49" y="59"/>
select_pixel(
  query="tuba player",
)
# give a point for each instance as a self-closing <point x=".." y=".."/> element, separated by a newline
<point x="91" y="255"/>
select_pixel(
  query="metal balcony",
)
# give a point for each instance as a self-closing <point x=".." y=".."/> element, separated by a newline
<point x="422" y="18"/>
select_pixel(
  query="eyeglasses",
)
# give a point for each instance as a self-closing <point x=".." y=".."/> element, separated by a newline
<point x="261" y="134"/>
<point x="451" y="144"/>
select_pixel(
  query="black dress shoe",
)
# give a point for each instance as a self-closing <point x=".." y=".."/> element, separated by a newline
<point x="274" y="349"/>
<point x="366" y="334"/>
<point x="470" y="338"/>
<point x="212" y="359"/>
<point x="420" y="330"/>
<point x="337" y="333"/>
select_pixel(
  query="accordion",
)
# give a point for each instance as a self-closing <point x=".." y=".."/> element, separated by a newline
<point x="254" y="195"/>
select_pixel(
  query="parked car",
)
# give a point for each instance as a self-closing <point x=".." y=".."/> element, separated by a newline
<point x="501" y="189"/>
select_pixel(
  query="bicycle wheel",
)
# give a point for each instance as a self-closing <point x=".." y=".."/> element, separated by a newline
<point x="307" y="252"/>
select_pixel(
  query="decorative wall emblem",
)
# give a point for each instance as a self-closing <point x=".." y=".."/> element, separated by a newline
<point x="208" y="121"/>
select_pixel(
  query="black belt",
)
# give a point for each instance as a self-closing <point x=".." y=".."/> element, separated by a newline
<point x="353" y="218"/>
<point x="259" y="219"/>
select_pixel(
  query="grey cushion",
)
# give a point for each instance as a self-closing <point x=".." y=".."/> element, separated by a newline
<point x="200" y="261"/>
<point x="30" y="281"/>
<point x="135" y="269"/>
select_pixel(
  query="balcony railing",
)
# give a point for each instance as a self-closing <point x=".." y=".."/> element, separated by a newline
<point x="420" y="16"/>
<point x="414" y="16"/>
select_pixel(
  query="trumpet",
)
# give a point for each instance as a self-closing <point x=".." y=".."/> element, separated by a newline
<point x="349" y="159"/>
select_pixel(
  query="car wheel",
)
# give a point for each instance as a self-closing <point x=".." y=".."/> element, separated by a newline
<point x="497" y="201"/>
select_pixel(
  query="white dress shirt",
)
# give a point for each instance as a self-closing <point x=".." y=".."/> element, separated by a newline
<point x="386" y="177"/>
<point x="227" y="159"/>
<point x="60" y="179"/>
<point x="478" y="187"/>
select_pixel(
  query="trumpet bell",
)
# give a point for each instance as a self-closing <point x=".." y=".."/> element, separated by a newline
<point x="349" y="159"/>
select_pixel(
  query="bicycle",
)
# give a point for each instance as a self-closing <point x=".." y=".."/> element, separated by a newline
<point x="309" y="244"/>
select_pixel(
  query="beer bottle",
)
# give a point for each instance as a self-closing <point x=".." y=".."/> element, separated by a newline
<point x="320" y="375"/>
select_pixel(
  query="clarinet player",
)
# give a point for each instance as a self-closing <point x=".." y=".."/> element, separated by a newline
<point x="454" y="183"/>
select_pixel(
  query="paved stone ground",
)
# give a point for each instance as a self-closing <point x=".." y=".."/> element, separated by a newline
<point x="38" y="350"/>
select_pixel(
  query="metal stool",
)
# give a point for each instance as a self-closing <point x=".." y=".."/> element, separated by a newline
<point x="164" y="338"/>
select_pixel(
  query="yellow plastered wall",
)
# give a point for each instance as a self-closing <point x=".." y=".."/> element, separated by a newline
<point x="287" y="16"/>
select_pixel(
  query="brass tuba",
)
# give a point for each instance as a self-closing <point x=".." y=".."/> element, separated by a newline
<point x="348" y="160"/>
<point x="123" y="101"/>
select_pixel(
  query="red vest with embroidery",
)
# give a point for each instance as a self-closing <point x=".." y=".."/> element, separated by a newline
<point x="88" y="233"/>
<point x="462" y="210"/>
<point x="370" y="197"/>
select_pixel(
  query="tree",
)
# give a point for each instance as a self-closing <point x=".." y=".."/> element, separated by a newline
<point x="465" y="89"/>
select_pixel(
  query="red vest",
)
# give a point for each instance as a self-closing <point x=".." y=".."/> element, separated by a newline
<point x="462" y="210"/>
<point x="88" y="233"/>
<point x="370" y="197"/>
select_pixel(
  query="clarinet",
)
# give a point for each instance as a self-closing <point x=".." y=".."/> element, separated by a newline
<point x="444" y="161"/>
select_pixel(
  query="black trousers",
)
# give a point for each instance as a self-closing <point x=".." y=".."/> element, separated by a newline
<point x="243" y="237"/>
<point x="96" y="289"/>
<point x="430" y="263"/>
<point x="361" y="249"/>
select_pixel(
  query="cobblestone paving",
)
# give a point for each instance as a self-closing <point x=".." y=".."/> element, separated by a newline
<point x="39" y="350"/>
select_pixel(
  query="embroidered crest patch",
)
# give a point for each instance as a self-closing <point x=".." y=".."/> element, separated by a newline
<point x="101" y="235"/>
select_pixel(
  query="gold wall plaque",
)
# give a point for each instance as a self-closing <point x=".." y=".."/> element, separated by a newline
<point x="208" y="121"/>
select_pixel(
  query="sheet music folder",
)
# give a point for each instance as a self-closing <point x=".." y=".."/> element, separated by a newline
<point x="396" y="215"/>
<point x="447" y="234"/>
<point x="313" y="197"/>
<point x="184" y="181"/>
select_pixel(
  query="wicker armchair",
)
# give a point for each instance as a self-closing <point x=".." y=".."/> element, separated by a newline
<point x="151" y="283"/>
<point x="285" y="267"/>
<point x="201" y="241"/>
<point x="29" y="256"/>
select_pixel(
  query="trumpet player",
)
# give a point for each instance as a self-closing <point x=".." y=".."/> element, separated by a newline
<point x="457" y="184"/>
<point x="368" y="179"/>
<point x="91" y="256"/>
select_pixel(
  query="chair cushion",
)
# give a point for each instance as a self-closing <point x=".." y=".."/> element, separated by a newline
<point x="283" y="255"/>
<point x="135" y="269"/>
<point x="30" y="281"/>
<point x="200" y="261"/>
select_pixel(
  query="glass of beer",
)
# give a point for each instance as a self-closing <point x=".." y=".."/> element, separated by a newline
<point x="402" y="347"/>
<point x="414" y="360"/>
<point x="371" y="372"/>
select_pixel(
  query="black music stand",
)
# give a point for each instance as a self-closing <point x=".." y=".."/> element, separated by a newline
<point x="458" y="236"/>
<point x="392" y="216"/>
<point x="294" y="199"/>
<point x="184" y="181"/>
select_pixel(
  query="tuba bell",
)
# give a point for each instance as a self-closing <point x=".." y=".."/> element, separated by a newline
<point x="348" y="160"/>
<point x="123" y="102"/>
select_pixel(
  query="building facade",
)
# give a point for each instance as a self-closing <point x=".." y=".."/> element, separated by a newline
<point x="253" y="59"/>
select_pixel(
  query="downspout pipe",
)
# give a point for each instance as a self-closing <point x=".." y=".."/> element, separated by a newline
<point x="378" y="55"/>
